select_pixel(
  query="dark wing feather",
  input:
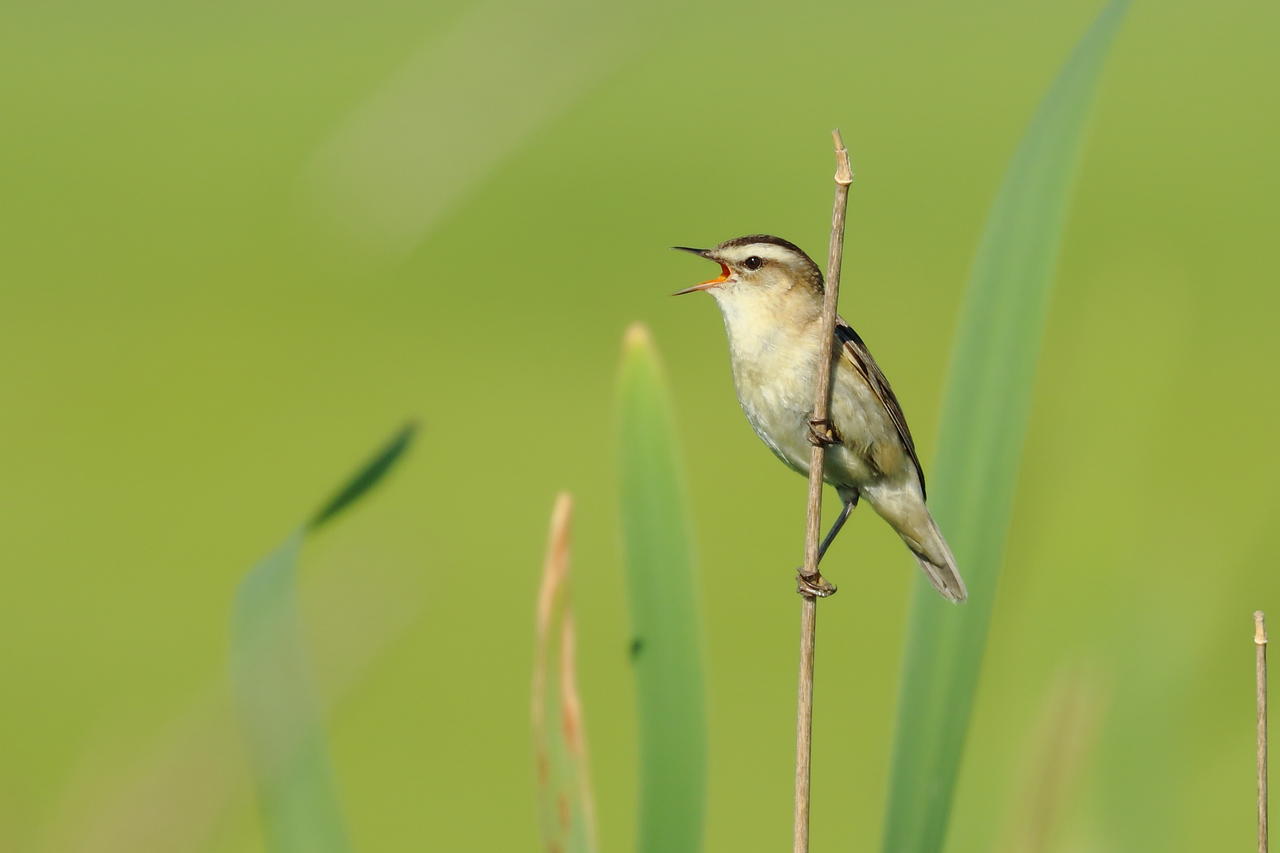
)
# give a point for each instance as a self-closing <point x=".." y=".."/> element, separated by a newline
<point x="862" y="361"/>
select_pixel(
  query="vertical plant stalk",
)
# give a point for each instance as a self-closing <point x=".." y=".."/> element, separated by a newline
<point x="1055" y="757"/>
<point x="565" y="802"/>
<point x="1260" y="646"/>
<point x="810" y="578"/>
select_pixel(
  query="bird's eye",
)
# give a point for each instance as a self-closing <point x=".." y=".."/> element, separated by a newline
<point x="753" y="263"/>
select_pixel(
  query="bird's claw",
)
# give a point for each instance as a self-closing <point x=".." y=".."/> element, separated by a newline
<point x="813" y="586"/>
<point x="822" y="433"/>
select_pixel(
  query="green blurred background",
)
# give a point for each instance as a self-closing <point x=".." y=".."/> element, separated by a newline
<point x="242" y="243"/>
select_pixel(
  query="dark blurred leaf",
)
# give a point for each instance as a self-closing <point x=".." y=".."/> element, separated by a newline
<point x="366" y="478"/>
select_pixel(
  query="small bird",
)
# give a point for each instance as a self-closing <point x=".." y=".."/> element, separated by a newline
<point x="770" y="293"/>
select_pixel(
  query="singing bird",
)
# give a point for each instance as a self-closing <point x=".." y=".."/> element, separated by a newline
<point x="770" y="293"/>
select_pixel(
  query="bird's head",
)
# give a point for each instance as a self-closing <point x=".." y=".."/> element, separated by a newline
<point x="758" y="264"/>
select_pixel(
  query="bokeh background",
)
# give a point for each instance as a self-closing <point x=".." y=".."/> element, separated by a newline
<point x="242" y="243"/>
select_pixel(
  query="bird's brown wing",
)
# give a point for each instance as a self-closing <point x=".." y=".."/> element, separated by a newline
<point x="860" y="357"/>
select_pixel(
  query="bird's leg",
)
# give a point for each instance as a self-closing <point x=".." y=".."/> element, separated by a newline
<point x="822" y="432"/>
<point x="845" y="511"/>
<point x="816" y="585"/>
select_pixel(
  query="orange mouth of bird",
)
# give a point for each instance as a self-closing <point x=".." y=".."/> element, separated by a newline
<point x="707" y="285"/>
<point x="724" y="276"/>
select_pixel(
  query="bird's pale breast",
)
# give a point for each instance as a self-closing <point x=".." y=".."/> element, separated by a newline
<point x="774" y="378"/>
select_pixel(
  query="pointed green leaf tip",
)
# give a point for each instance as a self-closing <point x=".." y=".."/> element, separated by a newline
<point x="983" y="426"/>
<point x="367" y="477"/>
<point x="637" y="339"/>
<point x="666" y="642"/>
<point x="280" y="715"/>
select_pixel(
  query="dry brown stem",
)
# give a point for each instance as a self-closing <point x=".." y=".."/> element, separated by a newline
<point x="1260" y="646"/>
<point x="560" y="751"/>
<point x="810" y="579"/>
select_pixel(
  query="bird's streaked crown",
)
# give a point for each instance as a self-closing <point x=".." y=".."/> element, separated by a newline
<point x="770" y="248"/>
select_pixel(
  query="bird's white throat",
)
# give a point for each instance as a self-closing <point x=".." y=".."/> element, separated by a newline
<point x="766" y="328"/>
<point x="773" y="353"/>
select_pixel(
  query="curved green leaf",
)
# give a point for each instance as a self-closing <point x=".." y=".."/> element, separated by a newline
<point x="281" y="718"/>
<point x="667" y="639"/>
<point x="983" y="426"/>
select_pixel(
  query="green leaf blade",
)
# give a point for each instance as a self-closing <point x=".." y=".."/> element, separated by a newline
<point x="281" y="717"/>
<point x="282" y="722"/>
<point x="983" y="429"/>
<point x="667" y="638"/>
<point x="368" y="476"/>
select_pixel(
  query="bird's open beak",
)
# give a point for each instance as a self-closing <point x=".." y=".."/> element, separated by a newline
<point x="706" y="285"/>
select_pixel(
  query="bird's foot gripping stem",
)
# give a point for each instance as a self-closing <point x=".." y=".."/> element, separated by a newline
<point x="822" y="433"/>
<point x="814" y="585"/>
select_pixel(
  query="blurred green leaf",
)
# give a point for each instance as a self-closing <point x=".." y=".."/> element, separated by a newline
<point x="983" y="426"/>
<point x="565" y="803"/>
<point x="280" y="715"/>
<point x="667" y="641"/>
<point x="367" y="478"/>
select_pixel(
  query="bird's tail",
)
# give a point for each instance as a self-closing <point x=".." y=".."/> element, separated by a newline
<point x="902" y="505"/>
<point x="935" y="558"/>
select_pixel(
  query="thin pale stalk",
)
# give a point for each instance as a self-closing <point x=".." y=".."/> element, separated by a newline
<point x="1260" y="646"/>
<point x="1055" y="757"/>
<point x="810" y="578"/>
<point x="565" y="804"/>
